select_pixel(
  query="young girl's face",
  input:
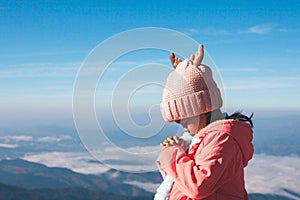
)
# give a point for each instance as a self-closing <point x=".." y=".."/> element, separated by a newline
<point x="194" y="124"/>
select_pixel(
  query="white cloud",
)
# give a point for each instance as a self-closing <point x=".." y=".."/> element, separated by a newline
<point x="261" y="83"/>
<point x="134" y="159"/>
<point x="271" y="174"/>
<point x="9" y="146"/>
<point x="259" y="29"/>
<point x="213" y="31"/>
<point x="53" y="139"/>
<point x="69" y="69"/>
<point x="38" y="54"/>
<point x="16" y="138"/>
<point x="80" y="162"/>
<point x="26" y="138"/>
<point x="151" y="187"/>
<point x="265" y="174"/>
<point x="256" y="85"/>
<point x="293" y="51"/>
<point x="191" y="31"/>
<point x="206" y="31"/>
<point x="48" y="139"/>
<point x="34" y="70"/>
<point x="246" y="69"/>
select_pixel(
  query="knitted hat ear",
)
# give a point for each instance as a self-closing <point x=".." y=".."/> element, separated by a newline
<point x="196" y="58"/>
<point x="174" y="60"/>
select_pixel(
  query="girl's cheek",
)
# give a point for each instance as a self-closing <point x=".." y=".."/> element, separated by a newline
<point x="192" y="129"/>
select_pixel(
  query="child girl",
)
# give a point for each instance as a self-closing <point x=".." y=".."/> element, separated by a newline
<point x="212" y="166"/>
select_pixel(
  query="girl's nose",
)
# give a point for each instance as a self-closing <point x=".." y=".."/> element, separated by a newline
<point x="185" y="130"/>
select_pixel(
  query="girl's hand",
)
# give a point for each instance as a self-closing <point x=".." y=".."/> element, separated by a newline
<point x="174" y="141"/>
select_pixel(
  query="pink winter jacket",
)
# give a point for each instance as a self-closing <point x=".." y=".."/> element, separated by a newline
<point x="214" y="166"/>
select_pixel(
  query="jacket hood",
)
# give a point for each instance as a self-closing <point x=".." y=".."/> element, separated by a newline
<point x="240" y="131"/>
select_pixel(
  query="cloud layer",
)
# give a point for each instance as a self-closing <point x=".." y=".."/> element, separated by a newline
<point x="80" y="162"/>
<point x="265" y="174"/>
<point x="272" y="174"/>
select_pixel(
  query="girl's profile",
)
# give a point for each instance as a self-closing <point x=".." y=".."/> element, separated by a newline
<point x="208" y="161"/>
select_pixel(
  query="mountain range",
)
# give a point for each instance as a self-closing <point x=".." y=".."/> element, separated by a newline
<point x="29" y="175"/>
<point x="24" y="180"/>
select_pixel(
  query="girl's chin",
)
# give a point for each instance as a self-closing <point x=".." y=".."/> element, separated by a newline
<point x="185" y="130"/>
<point x="191" y="133"/>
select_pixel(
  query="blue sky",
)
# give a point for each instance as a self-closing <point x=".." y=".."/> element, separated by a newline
<point x="255" y="45"/>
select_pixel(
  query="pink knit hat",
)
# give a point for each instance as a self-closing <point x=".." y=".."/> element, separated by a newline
<point x="190" y="91"/>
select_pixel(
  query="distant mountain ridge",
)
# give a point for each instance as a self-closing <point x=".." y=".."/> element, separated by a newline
<point x="8" y="192"/>
<point x="31" y="175"/>
<point x="24" y="180"/>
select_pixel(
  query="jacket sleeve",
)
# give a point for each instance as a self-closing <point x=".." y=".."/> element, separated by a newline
<point x="203" y="175"/>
